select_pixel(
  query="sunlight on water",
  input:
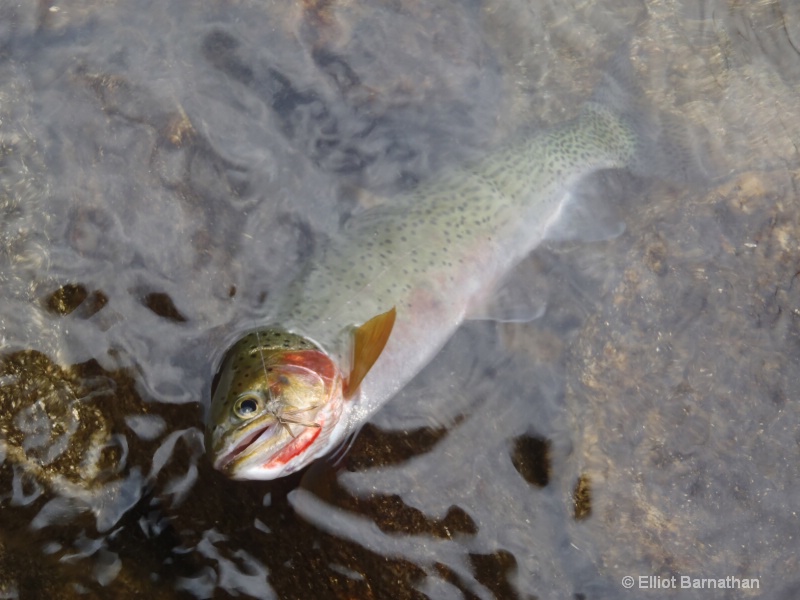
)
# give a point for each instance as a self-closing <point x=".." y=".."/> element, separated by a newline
<point x="165" y="172"/>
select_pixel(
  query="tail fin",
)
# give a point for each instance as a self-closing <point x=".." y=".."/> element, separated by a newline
<point x="669" y="148"/>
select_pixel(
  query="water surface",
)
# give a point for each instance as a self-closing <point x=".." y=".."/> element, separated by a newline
<point x="166" y="169"/>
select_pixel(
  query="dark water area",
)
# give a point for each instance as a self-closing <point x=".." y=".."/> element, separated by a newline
<point x="165" y="170"/>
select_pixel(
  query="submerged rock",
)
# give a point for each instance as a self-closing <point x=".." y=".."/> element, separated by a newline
<point x="58" y="440"/>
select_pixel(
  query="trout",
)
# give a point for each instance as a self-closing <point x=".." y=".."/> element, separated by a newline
<point x="378" y="301"/>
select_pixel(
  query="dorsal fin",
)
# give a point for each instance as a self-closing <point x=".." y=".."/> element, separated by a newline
<point x="368" y="342"/>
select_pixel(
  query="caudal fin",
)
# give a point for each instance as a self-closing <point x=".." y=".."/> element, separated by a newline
<point x="669" y="148"/>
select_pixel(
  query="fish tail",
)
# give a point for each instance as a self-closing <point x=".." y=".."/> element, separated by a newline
<point x="665" y="147"/>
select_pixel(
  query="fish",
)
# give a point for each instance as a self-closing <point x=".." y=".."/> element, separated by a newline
<point x="377" y="302"/>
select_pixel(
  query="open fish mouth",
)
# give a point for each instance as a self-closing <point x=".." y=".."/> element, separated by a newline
<point x="266" y="447"/>
<point x="224" y="461"/>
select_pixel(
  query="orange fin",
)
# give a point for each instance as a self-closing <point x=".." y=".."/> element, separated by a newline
<point x="368" y="343"/>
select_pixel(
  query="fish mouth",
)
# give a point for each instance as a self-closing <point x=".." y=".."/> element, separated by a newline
<point x="224" y="461"/>
<point x="270" y="446"/>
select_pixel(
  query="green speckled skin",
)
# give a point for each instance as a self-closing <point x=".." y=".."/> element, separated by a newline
<point x="245" y="363"/>
<point x="429" y="238"/>
<point x="435" y="252"/>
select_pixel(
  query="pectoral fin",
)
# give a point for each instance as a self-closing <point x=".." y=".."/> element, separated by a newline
<point x="368" y="342"/>
<point x="588" y="213"/>
<point x="521" y="298"/>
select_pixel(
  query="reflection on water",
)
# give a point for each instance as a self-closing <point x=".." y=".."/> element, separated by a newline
<point x="163" y="174"/>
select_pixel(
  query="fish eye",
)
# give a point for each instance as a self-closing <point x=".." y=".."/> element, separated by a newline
<point x="248" y="405"/>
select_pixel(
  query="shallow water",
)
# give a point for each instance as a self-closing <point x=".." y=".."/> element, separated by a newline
<point x="164" y="171"/>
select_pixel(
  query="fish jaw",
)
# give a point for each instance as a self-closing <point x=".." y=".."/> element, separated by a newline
<point x="269" y="451"/>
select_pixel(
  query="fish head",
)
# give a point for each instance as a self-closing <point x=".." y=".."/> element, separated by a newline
<point x="275" y="408"/>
